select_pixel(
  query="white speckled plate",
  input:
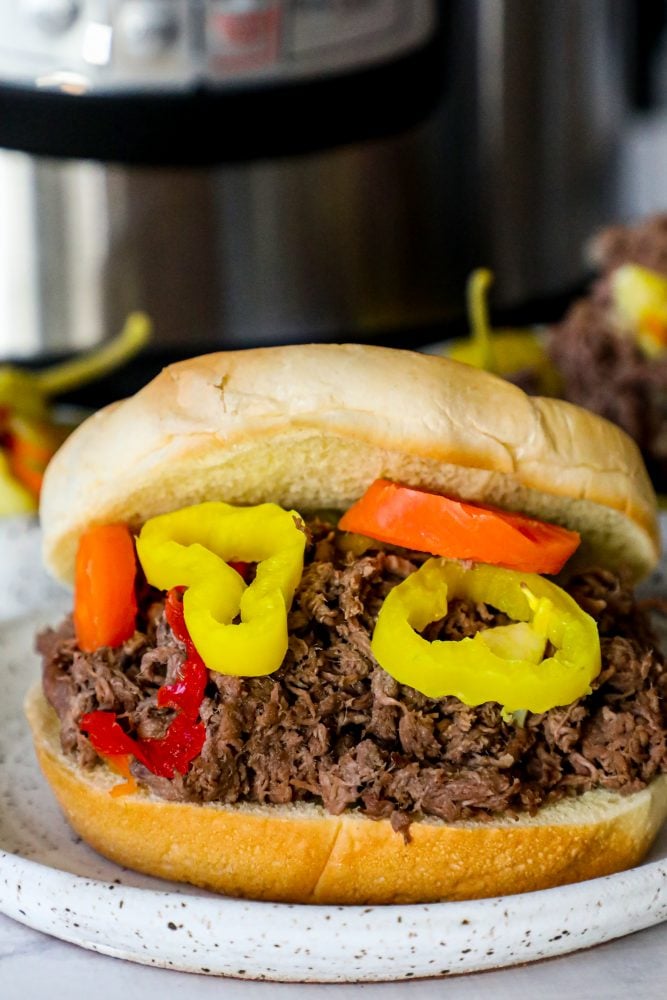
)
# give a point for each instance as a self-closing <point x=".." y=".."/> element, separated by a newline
<point x="54" y="883"/>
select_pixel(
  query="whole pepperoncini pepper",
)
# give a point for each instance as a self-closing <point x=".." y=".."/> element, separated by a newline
<point x="504" y="664"/>
<point x="505" y="352"/>
<point x="29" y="431"/>
<point x="192" y="548"/>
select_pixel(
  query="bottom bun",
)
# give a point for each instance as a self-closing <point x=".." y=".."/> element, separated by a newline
<point x="301" y="854"/>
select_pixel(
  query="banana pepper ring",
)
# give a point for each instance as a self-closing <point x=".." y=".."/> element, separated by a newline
<point x="504" y="664"/>
<point x="191" y="548"/>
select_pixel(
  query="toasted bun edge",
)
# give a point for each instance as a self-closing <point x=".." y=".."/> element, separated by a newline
<point x="301" y="854"/>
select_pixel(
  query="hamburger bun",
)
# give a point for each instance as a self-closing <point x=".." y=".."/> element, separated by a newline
<point x="301" y="854"/>
<point x="311" y="427"/>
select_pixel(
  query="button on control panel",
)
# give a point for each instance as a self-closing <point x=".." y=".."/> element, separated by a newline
<point x="117" y="45"/>
<point x="147" y="29"/>
<point x="51" y="16"/>
<point x="243" y="35"/>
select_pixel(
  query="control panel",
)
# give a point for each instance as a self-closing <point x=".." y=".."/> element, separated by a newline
<point x="125" y="45"/>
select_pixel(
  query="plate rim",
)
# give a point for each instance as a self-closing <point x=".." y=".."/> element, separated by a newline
<point x="603" y="900"/>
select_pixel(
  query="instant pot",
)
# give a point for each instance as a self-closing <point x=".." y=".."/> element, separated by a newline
<point x="263" y="171"/>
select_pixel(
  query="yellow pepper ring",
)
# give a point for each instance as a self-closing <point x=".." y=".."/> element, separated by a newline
<point x="191" y="548"/>
<point x="473" y="669"/>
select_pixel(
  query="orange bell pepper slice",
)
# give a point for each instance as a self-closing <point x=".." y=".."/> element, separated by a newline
<point x="105" y="604"/>
<point x="428" y="522"/>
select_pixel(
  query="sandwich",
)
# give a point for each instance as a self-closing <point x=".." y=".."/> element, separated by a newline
<point x="352" y="625"/>
<point x="610" y="347"/>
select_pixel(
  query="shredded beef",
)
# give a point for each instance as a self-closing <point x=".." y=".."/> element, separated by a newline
<point x="330" y="726"/>
<point x="123" y="680"/>
<point x="602" y="367"/>
<point x="644" y="243"/>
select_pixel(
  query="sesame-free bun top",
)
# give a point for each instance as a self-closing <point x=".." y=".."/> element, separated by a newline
<point x="311" y="426"/>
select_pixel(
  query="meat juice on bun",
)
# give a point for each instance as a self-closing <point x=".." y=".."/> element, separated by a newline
<point x="352" y="625"/>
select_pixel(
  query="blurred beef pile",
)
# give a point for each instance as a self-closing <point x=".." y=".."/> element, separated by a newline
<point x="610" y="349"/>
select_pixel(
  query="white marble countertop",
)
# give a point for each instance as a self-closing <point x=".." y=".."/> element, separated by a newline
<point x="33" y="965"/>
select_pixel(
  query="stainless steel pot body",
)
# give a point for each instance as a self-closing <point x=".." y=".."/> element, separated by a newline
<point x="314" y="246"/>
<point x="513" y="171"/>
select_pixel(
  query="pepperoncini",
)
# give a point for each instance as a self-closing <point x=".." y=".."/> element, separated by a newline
<point x="504" y="664"/>
<point x="640" y="299"/>
<point x="192" y="547"/>
<point x="503" y="352"/>
<point x="29" y="432"/>
<point x="14" y="497"/>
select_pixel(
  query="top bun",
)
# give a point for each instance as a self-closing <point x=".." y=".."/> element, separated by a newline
<point x="311" y="426"/>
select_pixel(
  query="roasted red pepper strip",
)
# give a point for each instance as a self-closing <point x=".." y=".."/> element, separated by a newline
<point x="185" y="737"/>
<point x="177" y="749"/>
<point x="187" y="692"/>
<point x="173" y="612"/>
<point x="174" y="752"/>
<point x="108" y="736"/>
<point x="241" y="568"/>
